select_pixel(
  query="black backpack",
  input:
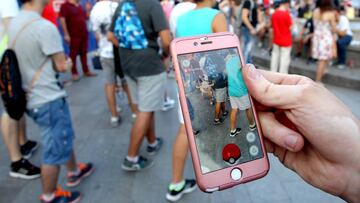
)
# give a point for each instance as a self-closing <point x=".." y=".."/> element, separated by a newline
<point x="12" y="92"/>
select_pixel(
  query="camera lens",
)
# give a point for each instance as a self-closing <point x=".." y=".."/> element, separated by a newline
<point x="195" y="44"/>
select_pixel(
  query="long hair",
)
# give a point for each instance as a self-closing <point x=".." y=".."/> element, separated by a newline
<point x="325" y="5"/>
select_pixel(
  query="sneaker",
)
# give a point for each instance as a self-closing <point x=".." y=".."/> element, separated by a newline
<point x="225" y="114"/>
<point x="173" y="195"/>
<point x="28" y="149"/>
<point x="196" y="131"/>
<point x="24" y="169"/>
<point x="62" y="196"/>
<point x="252" y="127"/>
<point x="85" y="171"/>
<point x="237" y="131"/>
<point x="141" y="164"/>
<point x="154" y="150"/>
<point x="114" y="121"/>
<point x="341" y="66"/>
<point x="75" y="77"/>
<point x="218" y="121"/>
<point x="90" y="74"/>
<point x="168" y="104"/>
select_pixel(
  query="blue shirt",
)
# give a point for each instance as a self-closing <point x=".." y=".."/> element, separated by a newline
<point x="237" y="87"/>
<point x="196" y="22"/>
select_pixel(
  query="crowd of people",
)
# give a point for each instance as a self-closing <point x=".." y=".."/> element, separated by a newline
<point x="141" y="64"/>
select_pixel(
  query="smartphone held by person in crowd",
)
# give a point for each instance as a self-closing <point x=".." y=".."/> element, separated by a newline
<point x="229" y="149"/>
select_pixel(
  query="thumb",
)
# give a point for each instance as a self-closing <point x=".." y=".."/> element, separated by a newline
<point x="268" y="93"/>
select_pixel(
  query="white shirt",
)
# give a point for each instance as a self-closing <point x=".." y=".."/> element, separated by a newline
<point x="100" y="18"/>
<point x="344" y="24"/>
<point x="8" y="9"/>
<point x="178" y="11"/>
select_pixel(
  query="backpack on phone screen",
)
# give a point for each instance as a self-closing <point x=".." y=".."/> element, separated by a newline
<point x="128" y="28"/>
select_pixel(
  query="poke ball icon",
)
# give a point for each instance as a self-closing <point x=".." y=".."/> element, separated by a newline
<point x="231" y="153"/>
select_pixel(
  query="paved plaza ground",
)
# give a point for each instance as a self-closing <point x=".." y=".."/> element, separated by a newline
<point x="106" y="147"/>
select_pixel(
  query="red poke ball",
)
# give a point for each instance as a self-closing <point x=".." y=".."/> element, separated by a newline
<point x="231" y="153"/>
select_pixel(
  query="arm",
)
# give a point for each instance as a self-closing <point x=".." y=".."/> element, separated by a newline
<point x="165" y="38"/>
<point x="61" y="64"/>
<point x="111" y="37"/>
<point x="245" y="19"/>
<point x="219" y="24"/>
<point x="64" y="27"/>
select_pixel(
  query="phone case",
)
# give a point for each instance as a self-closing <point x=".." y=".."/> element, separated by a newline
<point x="220" y="179"/>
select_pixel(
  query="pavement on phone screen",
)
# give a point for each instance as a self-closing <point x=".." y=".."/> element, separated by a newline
<point x="106" y="147"/>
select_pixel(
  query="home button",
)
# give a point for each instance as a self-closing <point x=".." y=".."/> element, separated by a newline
<point x="236" y="174"/>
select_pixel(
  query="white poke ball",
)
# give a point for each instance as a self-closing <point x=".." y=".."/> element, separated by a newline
<point x="186" y="63"/>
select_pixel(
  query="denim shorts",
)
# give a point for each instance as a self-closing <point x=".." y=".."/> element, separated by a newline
<point x="56" y="130"/>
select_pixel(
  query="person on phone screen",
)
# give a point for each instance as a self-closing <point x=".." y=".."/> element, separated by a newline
<point x="202" y="20"/>
<point x="239" y="97"/>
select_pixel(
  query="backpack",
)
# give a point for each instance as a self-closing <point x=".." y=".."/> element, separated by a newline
<point x="12" y="92"/>
<point x="128" y="28"/>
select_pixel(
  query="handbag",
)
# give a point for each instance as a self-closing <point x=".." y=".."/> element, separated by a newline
<point x="96" y="62"/>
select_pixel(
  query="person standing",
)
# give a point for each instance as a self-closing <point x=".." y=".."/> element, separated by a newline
<point x="14" y="132"/>
<point x="345" y="36"/>
<point x="250" y="15"/>
<point x="323" y="40"/>
<point x="201" y="20"/>
<point x="281" y="24"/>
<point x="144" y="73"/>
<point x="100" y="18"/>
<point x="73" y="21"/>
<point x="37" y="44"/>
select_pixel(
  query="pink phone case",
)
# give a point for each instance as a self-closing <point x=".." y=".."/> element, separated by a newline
<point x="221" y="179"/>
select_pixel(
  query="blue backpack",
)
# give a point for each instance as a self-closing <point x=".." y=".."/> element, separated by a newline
<point x="128" y="28"/>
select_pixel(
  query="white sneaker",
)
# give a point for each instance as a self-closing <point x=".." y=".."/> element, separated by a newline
<point x="168" y="104"/>
<point x="114" y="121"/>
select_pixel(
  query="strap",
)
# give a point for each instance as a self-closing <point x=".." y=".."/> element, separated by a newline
<point x="37" y="75"/>
<point x="22" y="29"/>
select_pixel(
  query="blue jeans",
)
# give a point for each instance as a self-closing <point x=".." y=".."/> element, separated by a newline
<point x="248" y="41"/>
<point x="56" y="130"/>
<point x="342" y="43"/>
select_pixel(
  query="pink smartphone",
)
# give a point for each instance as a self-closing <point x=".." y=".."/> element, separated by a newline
<point x="221" y="122"/>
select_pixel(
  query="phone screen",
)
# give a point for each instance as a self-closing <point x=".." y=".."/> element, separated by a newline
<point x="220" y="110"/>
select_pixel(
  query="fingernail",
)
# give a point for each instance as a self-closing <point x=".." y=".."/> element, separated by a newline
<point x="290" y="141"/>
<point x="253" y="73"/>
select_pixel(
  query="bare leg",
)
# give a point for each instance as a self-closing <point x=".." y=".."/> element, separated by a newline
<point x="71" y="165"/>
<point x="322" y="66"/>
<point x="49" y="178"/>
<point x="179" y="155"/>
<point x="250" y="116"/>
<point x="138" y="131"/>
<point x="150" y="135"/>
<point x="111" y="100"/>
<point x="223" y="108"/>
<point x="131" y="104"/>
<point x="10" y="131"/>
<point x="217" y="110"/>
<point x="233" y="115"/>
<point x="22" y="131"/>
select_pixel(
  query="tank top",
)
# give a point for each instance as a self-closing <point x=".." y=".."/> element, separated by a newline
<point x="196" y="22"/>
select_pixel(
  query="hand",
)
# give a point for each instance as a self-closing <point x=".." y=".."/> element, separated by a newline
<point x="67" y="38"/>
<point x="313" y="134"/>
<point x="68" y="64"/>
<point x="252" y="31"/>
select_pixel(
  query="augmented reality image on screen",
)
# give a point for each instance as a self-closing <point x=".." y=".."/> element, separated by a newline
<point x="223" y="122"/>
